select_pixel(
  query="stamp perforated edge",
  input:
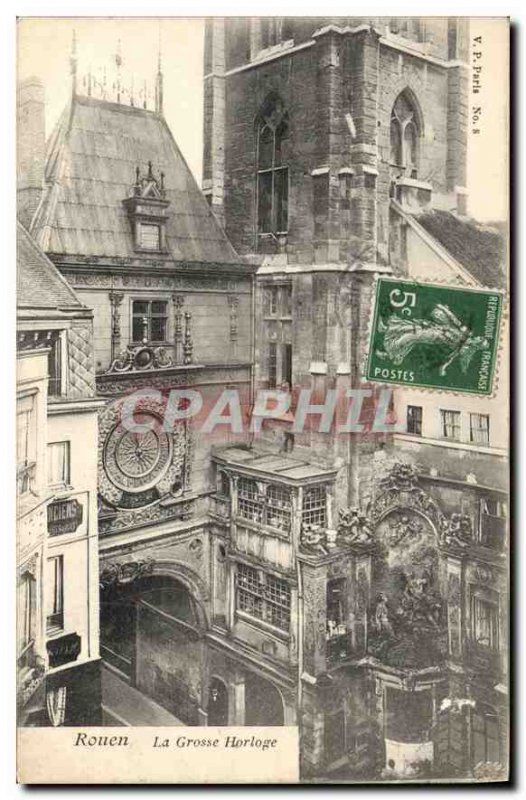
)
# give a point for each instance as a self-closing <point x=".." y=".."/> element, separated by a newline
<point x="442" y="284"/>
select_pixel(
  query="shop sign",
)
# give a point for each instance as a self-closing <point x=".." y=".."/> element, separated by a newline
<point x="64" y="516"/>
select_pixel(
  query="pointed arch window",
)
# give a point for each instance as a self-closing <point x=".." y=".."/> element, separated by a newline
<point x="274" y="30"/>
<point x="272" y="171"/>
<point x="404" y="135"/>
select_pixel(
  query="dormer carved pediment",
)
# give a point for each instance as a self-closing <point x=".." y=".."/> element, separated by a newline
<point x="147" y="209"/>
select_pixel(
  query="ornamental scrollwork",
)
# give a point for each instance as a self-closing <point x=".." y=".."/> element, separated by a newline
<point x="400" y="490"/>
<point x="124" y="520"/>
<point x="233" y="303"/>
<point x="29" y="567"/>
<point x="401" y="477"/>
<point x="130" y="382"/>
<point x="123" y="573"/>
<point x="141" y="357"/>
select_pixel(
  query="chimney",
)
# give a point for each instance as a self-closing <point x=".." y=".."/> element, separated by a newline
<point x="31" y="147"/>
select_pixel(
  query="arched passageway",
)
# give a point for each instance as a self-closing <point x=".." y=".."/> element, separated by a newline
<point x="263" y="702"/>
<point x="151" y="632"/>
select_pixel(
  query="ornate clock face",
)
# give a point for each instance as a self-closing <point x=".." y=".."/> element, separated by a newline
<point x="136" y="461"/>
<point x="136" y="468"/>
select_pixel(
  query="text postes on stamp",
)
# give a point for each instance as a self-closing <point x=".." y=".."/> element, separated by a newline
<point x="434" y="336"/>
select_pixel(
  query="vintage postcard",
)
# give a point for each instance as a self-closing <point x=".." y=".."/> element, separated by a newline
<point x="262" y="400"/>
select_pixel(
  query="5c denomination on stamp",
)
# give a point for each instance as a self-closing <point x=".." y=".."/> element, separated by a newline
<point x="434" y="336"/>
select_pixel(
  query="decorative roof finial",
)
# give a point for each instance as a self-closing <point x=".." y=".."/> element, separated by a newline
<point x="118" y="56"/>
<point x="159" y="79"/>
<point x="73" y="62"/>
<point x="118" y="62"/>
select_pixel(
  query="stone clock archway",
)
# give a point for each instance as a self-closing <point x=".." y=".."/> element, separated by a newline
<point x="153" y="624"/>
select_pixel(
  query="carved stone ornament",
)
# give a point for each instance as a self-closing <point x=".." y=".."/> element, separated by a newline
<point x="354" y="527"/>
<point x="457" y="530"/>
<point x="233" y="303"/>
<point x="400" y="490"/>
<point x="29" y="683"/>
<point x="141" y="357"/>
<point x="140" y="280"/>
<point x="401" y="476"/>
<point x="484" y="575"/>
<point x="131" y="382"/>
<point x="124" y="573"/>
<point x="29" y="567"/>
<point x="124" y="520"/>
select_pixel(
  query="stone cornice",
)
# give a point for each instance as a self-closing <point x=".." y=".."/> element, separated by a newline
<point x="148" y="266"/>
<point x="345" y="30"/>
<point x="74" y="406"/>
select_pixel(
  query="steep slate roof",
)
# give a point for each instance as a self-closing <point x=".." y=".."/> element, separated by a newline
<point x="90" y="167"/>
<point x="481" y="249"/>
<point x="39" y="283"/>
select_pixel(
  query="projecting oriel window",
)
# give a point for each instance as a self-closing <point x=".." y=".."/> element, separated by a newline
<point x="271" y="508"/>
<point x="315" y="506"/>
<point x="149" y="236"/>
<point x="263" y="596"/>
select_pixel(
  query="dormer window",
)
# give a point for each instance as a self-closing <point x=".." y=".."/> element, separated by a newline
<point x="149" y="236"/>
<point x="147" y="210"/>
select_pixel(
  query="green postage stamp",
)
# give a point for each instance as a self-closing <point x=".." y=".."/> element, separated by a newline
<point x="440" y="337"/>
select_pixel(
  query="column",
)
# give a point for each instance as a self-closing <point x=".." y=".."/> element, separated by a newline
<point x="116" y="299"/>
<point x="236" y="700"/>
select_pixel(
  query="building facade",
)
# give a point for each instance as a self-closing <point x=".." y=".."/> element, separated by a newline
<point x="123" y="220"/>
<point x="57" y="554"/>
<point x="334" y="153"/>
<point x="278" y="573"/>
